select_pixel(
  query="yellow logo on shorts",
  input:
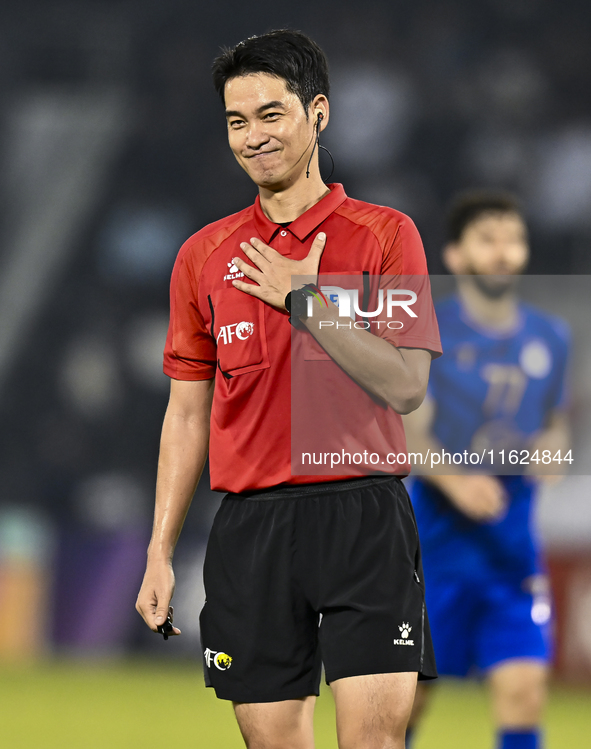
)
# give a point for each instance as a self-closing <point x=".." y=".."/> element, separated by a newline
<point x="222" y="661"/>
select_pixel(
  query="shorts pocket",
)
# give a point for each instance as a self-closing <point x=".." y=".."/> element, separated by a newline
<point x="238" y="325"/>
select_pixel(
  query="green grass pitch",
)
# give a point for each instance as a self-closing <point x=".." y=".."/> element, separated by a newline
<point x="123" y="705"/>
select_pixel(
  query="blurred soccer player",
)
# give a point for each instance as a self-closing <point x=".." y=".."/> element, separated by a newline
<point x="294" y="570"/>
<point x="500" y="385"/>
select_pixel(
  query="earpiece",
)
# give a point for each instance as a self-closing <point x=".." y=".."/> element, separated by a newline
<point x="319" y="118"/>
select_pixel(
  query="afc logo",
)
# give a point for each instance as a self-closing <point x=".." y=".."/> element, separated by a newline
<point x="221" y="661"/>
<point x="241" y="330"/>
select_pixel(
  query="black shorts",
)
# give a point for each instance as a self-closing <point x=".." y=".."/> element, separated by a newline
<point x="304" y="575"/>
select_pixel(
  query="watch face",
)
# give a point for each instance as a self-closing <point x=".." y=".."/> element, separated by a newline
<point x="299" y="303"/>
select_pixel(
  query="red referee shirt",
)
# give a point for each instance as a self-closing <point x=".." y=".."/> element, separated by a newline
<point x="218" y="331"/>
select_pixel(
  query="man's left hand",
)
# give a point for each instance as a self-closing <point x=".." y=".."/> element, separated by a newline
<point x="272" y="272"/>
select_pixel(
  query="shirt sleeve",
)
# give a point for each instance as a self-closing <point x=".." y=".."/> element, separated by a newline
<point x="190" y="349"/>
<point x="408" y="289"/>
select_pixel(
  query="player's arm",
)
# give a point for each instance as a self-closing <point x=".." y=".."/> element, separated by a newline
<point x="479" y="497"/>
<point x="398" y="376"/>
<point x="555" y="437"/>
<point x="183" y="452"/>
<point x="395" y="375"/>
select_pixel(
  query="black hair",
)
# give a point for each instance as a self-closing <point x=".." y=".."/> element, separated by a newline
<point x="470" y="206"/>
<point x="283" y="53"/>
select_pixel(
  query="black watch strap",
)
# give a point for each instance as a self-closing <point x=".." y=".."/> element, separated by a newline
<point x="296" y="303"/>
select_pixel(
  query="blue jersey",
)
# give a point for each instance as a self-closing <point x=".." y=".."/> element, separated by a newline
<point x="491" y="391"/>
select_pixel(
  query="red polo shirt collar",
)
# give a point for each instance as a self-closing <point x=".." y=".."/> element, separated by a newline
<point x="307" y="222"/>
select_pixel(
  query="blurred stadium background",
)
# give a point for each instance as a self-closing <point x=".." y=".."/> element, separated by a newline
<point x="113" y="151"/>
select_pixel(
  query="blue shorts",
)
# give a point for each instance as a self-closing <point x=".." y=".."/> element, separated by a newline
<point x="477" y="624"/>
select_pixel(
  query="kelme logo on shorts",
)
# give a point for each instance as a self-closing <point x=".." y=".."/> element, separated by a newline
<point x="221" y="661"/>
<point x="405" y="630"/>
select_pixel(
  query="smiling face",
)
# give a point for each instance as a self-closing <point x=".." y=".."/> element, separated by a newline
<point x="494" y="249"/>
<point x="268" y="130"/>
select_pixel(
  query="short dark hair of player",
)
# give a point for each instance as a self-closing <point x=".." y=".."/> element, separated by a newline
<point x="283" y="53"/>
<point x="470" y="206"/>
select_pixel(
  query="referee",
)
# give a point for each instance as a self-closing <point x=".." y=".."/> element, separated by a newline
<point x="300" y="570"/>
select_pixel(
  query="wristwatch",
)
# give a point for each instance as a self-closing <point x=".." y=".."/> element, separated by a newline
<point x="296" y="303"/>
